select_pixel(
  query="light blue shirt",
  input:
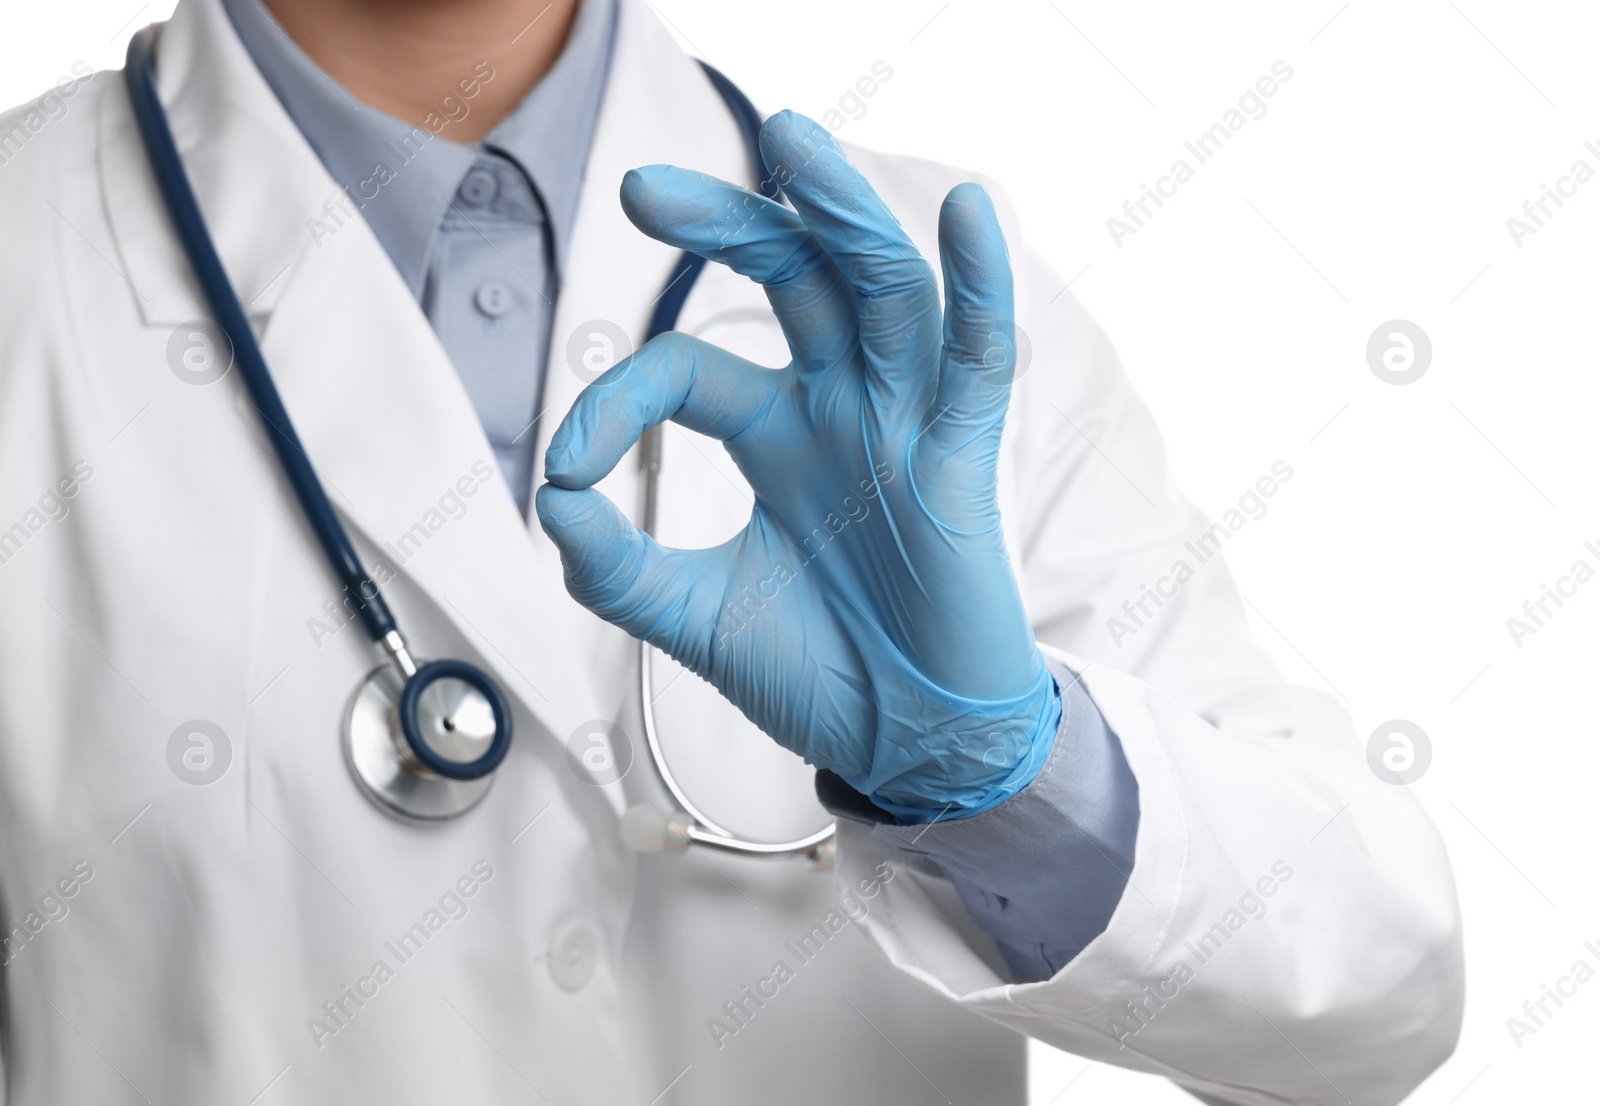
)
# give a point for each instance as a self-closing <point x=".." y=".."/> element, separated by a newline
<point x="480" y="235"/>
<point x="478" y="232"/>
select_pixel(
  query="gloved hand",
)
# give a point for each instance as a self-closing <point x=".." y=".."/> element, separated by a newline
<point x="867" y="617"/>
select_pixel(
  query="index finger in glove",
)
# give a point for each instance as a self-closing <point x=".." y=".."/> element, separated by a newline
<point x="675" y="378"/>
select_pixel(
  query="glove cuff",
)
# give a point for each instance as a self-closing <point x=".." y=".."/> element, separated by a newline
<point x="916" y="797"/>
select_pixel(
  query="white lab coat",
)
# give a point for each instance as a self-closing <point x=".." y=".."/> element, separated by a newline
<point x="194" y="962"/>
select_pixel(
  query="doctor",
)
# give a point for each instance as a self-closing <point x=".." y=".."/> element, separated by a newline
<point x="1143" y="847"/>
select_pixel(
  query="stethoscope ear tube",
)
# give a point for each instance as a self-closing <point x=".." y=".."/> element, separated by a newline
<point x="646" y="829"/>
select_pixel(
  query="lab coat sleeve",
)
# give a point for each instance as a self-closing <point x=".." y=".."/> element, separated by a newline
<point x="1289" y="931"/>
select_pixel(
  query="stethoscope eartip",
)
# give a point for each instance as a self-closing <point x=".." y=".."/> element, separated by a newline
<point x="645" y="829"/>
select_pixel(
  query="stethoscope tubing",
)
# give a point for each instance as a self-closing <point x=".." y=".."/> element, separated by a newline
<point x="703" y="830"/>
<point x="190" y="226"/>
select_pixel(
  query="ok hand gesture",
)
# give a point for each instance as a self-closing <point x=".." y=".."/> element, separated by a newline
<point x="866" y="617"/>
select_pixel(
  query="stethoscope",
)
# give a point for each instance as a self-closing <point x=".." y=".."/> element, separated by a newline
<point x="423" y="740"/>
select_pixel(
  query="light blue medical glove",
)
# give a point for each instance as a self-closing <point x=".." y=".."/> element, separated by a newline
<point x="866" y="617"/>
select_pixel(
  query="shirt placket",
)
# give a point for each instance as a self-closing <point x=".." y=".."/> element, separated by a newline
<point x="489" y="293"/>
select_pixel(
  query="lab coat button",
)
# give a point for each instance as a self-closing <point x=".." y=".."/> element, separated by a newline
<point x="493" y="298"/>
<point x="478" y="188"/>
<point x="574" y="950"/>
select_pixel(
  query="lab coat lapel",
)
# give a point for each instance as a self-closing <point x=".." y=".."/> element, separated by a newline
<point x="257" y="180"/>
<point x="379" y="408"/>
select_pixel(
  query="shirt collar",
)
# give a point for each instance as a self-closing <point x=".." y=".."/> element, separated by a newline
<point x="550" y="132"/>
<point x="403" y="177"/>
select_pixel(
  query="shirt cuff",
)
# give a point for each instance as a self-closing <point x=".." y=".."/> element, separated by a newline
<point x="1042" y="872"/>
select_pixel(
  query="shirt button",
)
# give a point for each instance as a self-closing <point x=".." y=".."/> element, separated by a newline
<point x="478" y="188"/>
<point x="493" y="298"/>
<point x="574" y="950"/>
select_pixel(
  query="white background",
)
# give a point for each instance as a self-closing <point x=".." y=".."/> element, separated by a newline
<point x="1420" y="517"/>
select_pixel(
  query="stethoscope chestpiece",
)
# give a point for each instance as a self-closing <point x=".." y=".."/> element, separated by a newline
<point x="425" y="746"/>
<point x="455" y="720"/>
